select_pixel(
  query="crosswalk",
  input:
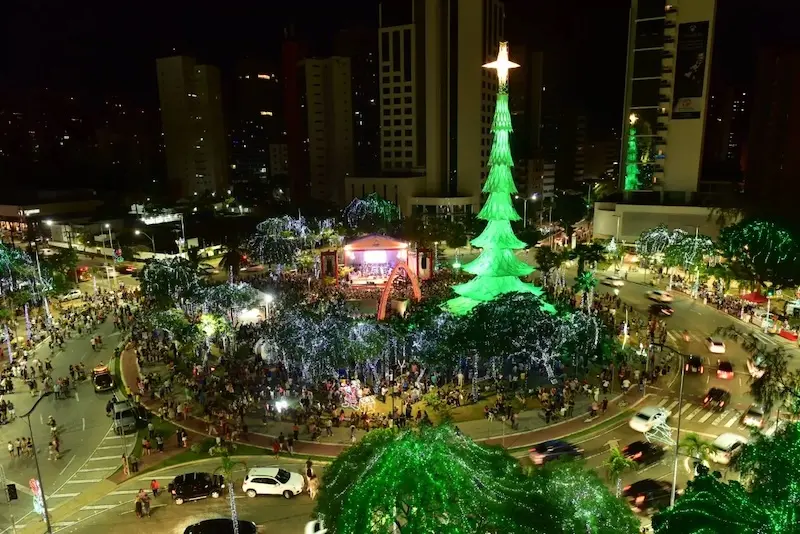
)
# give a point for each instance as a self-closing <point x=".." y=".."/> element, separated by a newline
<point x="728" y="418"/>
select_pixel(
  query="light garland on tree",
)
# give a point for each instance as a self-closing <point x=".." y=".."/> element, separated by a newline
<point x="28" y="328"/>
<point x="372" y="206"/>
<point x="632" y="171"/>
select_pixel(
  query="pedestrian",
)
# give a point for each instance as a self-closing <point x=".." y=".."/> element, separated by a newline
<point x="281" y="440"/>
<point x="151" y="430"/>
<point x="125" y="467"/>
<point x="154" y="487"/>
<point x="604" y="405"/>
<point x="290" y="445"/>
<point x="296" y="431"/>
<point x="18" y="445"/>
<point x="10" y="449"/>
<point x="276" y="448"/>
<point x="185" y="440"/>
<point x="159" y="443"/>
<point x="51" y="452"/>
<point x="133" y="461"/>
<point x="146" y="446"/>
<point x="179" y="437"/>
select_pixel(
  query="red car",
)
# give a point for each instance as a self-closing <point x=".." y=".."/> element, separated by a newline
<point x="724" y="370"/>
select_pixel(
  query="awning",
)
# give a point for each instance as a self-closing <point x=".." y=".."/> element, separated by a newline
<point x="756" y="298"/>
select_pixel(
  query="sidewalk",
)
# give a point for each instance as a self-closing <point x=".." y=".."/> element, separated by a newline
<point x="532" y="426"/>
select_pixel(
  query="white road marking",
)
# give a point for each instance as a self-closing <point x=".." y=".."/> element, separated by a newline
<point x="106" y="447"/>
<point x="97" y="469"/>
<point x="705" y="417"/>
<point x="695" y="412"/>
<point x="64" y="524"/>
<point x="63" y="495"/>
<point x="99" y="507"/>
<point x="719" y="418"/>
<point x="101" y="458"/>
<point x="662" y="402"/>
<point x="77" y="398"/>
<point x="112" y="437"/>
<point x="65" y="467"/>
<point x="740" y="381"/>
<point x="672" y="405"/>
<point x="732" y="421"/>
<point x="84" y="423"/>
<point x="87" y="481"/>
<point x="124" y="492"/>
<point x="685" y="407"/>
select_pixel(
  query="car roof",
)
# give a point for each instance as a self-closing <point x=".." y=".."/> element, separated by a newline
<point x="647" y="484"/>
<point x="717" y="392"/>
<point x="725" y="365"/>
<point x="640" y="445"/>
<point x="553" y="443"/>
<point x="756" y="409"/>
<point x="716" y="340"/>
<point x="650" y="410"/>
<point x="724" y="441"/>
<point x="695" y="359"/>
<point x="221" y="525"/>
<point x="191" y="476"/>
<point x="263" y="471"/>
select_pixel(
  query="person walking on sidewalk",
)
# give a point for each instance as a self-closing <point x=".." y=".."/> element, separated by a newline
<point x="155" y="487"/>
<point x="290" y="445"/>
<point x="125" y="468"/>
<point x="276" y="448"/>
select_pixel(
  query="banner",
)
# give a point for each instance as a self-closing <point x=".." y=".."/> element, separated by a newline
<point x="690" y="69"/>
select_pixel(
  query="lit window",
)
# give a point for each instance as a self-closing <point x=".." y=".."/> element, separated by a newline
<point x="264" y="76"/>
<point x="266" y="113"/>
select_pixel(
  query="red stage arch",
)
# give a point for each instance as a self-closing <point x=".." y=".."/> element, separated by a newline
<point x="387" y="289"/>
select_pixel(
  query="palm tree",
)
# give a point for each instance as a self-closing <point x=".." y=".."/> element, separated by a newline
<point x="591" y="254"/>
<point x="232" y="260"/>
<point x="586" y="283"/>
<point x="547" y="261"/>
<point x="226" y="468"/>
<point x="617" y="465"/>
<point x="695" y="447"/>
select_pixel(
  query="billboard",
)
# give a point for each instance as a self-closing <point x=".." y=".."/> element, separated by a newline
<point x="690" y="70"/>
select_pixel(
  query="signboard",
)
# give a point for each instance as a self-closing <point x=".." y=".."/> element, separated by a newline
<point x="690" y="70"/>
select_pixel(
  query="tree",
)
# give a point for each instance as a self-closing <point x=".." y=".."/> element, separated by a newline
<point x="617" y="465"/>
<point x="372" y="213"/>
<point x="497" y="269"/>
<point x="585" y="283"/>
<point x="569" y="209"/>
<point x="591" y="253"/>
<point x="228" y="298"/>
<point x="582" y="500"/>
<point x="695" y="447"/>
<point x="432" y="479"/>
<point x="762" y="252"/>
<point x="548" y="261"/>
<point x="170" y="282"/>
<point x="227" y="466"/>
<point x="232" y="261"/>
<point x="632" y="158"/>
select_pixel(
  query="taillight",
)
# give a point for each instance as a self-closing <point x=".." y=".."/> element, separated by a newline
<point x="687" y="367"/>
<point x="701" y="369"/>
<point x="705" y="400"/>
<point x="626" y="488"/>
<point x="639" y="499"/>
<point x="637" y="456"/>
<point x="721" y="404"/>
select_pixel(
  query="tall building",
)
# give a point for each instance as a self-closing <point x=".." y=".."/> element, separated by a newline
<point x="361" y="46"/>
<point x="437" y="103"/>
<point x="526" y="89"/>
<point x="773" y="159"/>
<point x="192" y="123"/>
<point x="726" y="132"/>
<point x="666" y="89"/>
<point x="256" y="121"/>
<point x="327" y="101"/>
<point x="292" y="52"/>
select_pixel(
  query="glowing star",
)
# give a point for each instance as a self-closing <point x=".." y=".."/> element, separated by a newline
<point x="502" y="64"/>
<point x="633" y="118"/>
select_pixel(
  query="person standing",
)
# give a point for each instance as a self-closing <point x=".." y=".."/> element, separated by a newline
<point x="276" y="448"/>
<point x="155" y="487"/>
<point x="125" y="468"/>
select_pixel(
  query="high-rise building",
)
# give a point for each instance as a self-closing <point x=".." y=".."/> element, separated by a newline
<point x="726" y="131"/>
<point x="292" y="52"/>
<point x="436" y="103"/>
<point x="669" y="54"/>
<point x="361" y="46"/>
<point x="327" y="101"/>
<point x="278" y="159"/>
<point x="256" y="121"/>
<point x="192" y="123"/>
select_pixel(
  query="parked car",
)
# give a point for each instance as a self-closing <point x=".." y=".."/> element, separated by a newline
<point x="660" y="296"/>
<point x="643" y="452"/>
<point x="726" y="446"/>
<point x="694" y="364"/>
<point x="648" y="417"/>
<point x="72" y="294"/>
<point x="724" y="370"/>
<point x="613" y="281"/>
<point x="315" y="527"/>
<point x="648" y="494"/>
<point x="126" y="268"/>
<point x="716" y="399"/>
<point x="194" y="486"/>
<point x="126" y="417"/>
<point x="715" y="345"/>
<point x="272" y="481"/>
<point x="661" y="310"/>
<point x="221" y="525"/>
<point x="754" y="417"/>
<point x="547" y="451"/>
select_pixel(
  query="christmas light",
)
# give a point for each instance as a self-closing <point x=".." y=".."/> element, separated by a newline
<point x="27" y="323"/>
<point x="632" y="158"/>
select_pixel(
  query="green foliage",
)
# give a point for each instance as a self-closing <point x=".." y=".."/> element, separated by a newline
<point x="170" y="282"/>
<point x="590" y="254"/>
<point x="695" y="447"/>
<point x="568" y="210"/>
<point x="232" y="261"/>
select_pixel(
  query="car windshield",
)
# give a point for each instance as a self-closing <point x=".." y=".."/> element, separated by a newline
<point x="283" y="476"/>
<point x="725" y="366"/>
<point x="755" y="411"/>
<point x="644" y="416"/>
<point x="102" y="380"/>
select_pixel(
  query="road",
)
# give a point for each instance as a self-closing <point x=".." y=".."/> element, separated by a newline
<point x="89" y="451"/>
<point x="115" y="512"/>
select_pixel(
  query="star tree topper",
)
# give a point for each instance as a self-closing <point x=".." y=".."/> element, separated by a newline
<point x="502" y="64"/>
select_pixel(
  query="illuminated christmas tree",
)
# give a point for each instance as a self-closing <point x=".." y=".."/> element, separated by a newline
<point x="497" y="268"/>
<point x="632" y="158"/>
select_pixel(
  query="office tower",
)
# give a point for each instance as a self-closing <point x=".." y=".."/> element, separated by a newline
<point x="361" y="46"/>
<point x="256" y="122"/>
<point x="327" y="101"/>
<point x="666" y="87"/>
<point x="191" y="119"/>
<point x="292" y="52"/>
<point x="278" y="159"/>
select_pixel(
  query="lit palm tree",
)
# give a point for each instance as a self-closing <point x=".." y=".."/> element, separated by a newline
<point x="586" y="283"/>
<point x="232" y="261"/>
<point x="226" y="468"/>
<point x="617" y="465"/>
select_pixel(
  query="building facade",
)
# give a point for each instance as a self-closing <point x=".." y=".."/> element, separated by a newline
<point x="327" y="104"/>
<point x="192" y="123"/>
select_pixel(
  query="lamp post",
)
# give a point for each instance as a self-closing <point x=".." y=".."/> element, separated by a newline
<point x="111" y="247"/>
<point x="525" y="209"/>
<point x="678" y="432"/>
<point x="27" y="417"/>
<point x="152" y="241"/>
<point x="267" y="301"/>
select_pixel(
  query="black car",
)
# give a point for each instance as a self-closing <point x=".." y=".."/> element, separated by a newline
<point x="643" y="452"/>
<point x="716" y="399"/>
<point x="221" y="525"/>
<point x="647" y="494"/>
<point x="694" y="364"/>
<point x="554" y="449"/>
<point x="194" y="486"/>
<point x="661" y="310"/>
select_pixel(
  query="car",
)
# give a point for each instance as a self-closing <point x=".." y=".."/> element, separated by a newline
<point x="315" y="527"/>
<point x="125" y="416"/>
<point x="716" y="399"/>
<point x="47" y="252"/>
<point x="613" y="281"/>
<point x="102" y="379"/>
<point x="724" y="370"/>
<point x="754" y="367"/>
<point x="72" y="294"/>
<point x="221" y="525"/>
<point x="109" y="271"/>
<point x="643" y="452"/>
<point x="195" y="486"/>
<point x="694" y="364"/>
<point x="726" y="446"/>
<point x="648" y="417"/>
<point x="647" y="494"/>
<point x="661" y="310"/>
<point x="660" y="296"/>
<point x="207" y="269"/>
<point x="126" y="268"/>
<point x="715" y="345"/>
<point x="547" y="451"/>
<point x="754" y="417"/>
<point x="272" y="481"/>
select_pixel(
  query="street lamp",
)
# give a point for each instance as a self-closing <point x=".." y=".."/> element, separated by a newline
<point x="680" y="413"/>
<point x="525" y="209"/>
<point x="267" y="301"/>
<point x="152" y="241"/>
<point x="27" y="417"/>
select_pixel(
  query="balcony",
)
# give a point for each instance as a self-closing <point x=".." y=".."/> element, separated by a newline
<point x="666" y="54"/>
<point x="664" y="98"/>
<point x="666" y="69"/>
<point x="669" y="39"/>
<point x="664" y="113"/>
<point x="661" y="127"/>
<point x="669" y="24"/>
<point x="658" y="140"/>
<point x="665" y="84"/>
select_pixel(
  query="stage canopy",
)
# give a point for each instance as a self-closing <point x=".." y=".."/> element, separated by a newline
<point x="376" y="242"/>
<point x="756" y="298"/>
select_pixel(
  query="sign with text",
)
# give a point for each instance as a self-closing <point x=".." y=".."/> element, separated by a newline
<point x="690" y="70"/>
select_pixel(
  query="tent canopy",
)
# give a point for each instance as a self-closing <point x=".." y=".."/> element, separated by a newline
<point x="376" y="242"/>
<point x="756" y="298"/>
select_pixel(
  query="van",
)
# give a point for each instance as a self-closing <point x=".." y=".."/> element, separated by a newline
<point x="125" y="418"/>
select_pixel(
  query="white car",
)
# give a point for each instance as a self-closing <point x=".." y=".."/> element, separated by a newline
<point x="613" y="281"/>
<point x="715" y="345"/>
<point x="754" y="417"/>
<point x="726" y="446"/>
<point x="315" y="527"/>
<point x="754" y="369"/>
<point x="272" y="481"/>
<point x="72" y="294"/>
<point x="660" y="296"/>
<point x="46" y="252"/>
<point x="648" y="417"/>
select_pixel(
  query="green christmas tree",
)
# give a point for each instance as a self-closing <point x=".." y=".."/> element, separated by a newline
<point x="632" y="158"/>
<point x="497" y="268"/>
